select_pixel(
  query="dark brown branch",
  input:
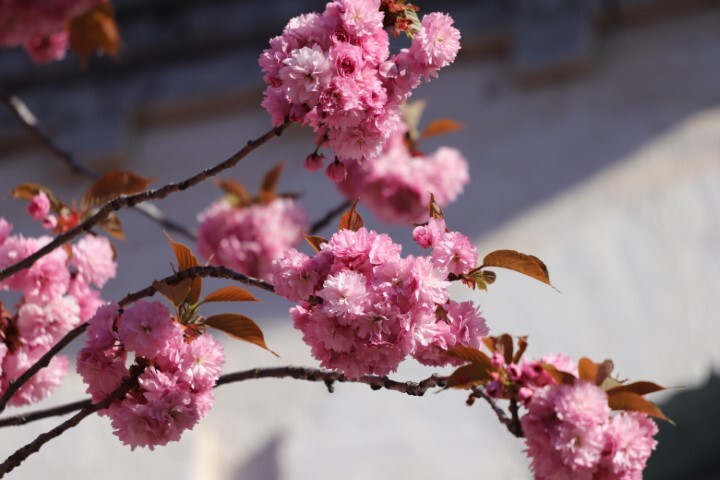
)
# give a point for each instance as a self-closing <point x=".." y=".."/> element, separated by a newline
<point x="23" y="453"/>
<point x="208" y="271"/>
<point x="26" y="118"/>
<point x="513" y="428"/>
<point x="298" y="373"/>
<point x="329" y="377"/>
<point x="132" y="200"/>
<point x="25" y="418"/>
<point x="327" y="218"/>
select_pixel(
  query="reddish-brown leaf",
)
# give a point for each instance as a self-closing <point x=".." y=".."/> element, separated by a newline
<point x="559" y="376"/>
<point x="640" y="388"/>
<point x="315" y="242"/>
<point x="435" y="210"/>
<point x="505" y="345"/>
<point x="113" y="227"/>
<point x="441" y="126"/>
<point x="519" y="262"/>
<point x="230" y="294"/>
<point x="112" y="185"/>
<point x="239" y="326"/>
<point x="95" y="30"/>
<point x="27" y="191"/>
<point x="175" y="293"/>
<point x="351" y="220"/>
<point x="269" y="184"/>
<point x="471" y="355"/>
<point x="186" y="259"/>
<point x="588" y="370"/>
<point x="522" y="346"/>
<point x="604" y="371"/>
<point x="633" y="402"/>
<point x="468" y="376"/>
<point x="236" y="190"/>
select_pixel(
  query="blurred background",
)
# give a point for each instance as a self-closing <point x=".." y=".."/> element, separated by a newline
<point x="593" y="134"/>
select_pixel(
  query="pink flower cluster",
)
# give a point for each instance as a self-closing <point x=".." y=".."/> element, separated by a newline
<point x="569" y="434"/>
<point x="397" y="185"/>
<point x="363" y="308"/>
<point x="174" y="389"/>
<point x="40" y="26"/>
<point x="247" y="239"/>
<point x="568" y="429"/>
<point x="333" y="71"/>
<point x="55" y="295"/>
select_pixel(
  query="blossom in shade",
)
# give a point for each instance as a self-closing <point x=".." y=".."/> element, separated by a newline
<point x="397" y="185"/>
<point x="94" y="259"/>
<point x="247" y="239"/>
<point x="40" y="26"/>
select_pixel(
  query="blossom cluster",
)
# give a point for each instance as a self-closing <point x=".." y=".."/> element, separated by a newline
<point x="333" y="71"/>
<point x="40" y="26"/>
<point x="569" y="433"/>
<point x="363" y="307"/>
<point x="57" y="293"/>
<point x="174" y="389"/>
<point x="568" y="429"/>
<point x="397" y="185"/>
<point x="249" y="238"/>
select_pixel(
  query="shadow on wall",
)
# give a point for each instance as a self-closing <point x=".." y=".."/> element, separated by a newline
<point x="262" y="465"/>
<point x="690" y="449"/>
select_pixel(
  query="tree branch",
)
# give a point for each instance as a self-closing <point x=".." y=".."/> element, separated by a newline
<point x="478" y="392"/>
<point x="327" y="218"/>
<point x="28" y="120"/>
<point x="207" y="271"/>
<point x="23" y="453"/>
<point x="132" y="200"/>
<point x="299" y="373"/>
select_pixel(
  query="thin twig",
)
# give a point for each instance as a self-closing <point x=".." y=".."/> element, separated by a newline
<point x="23" y="453"/>
<point x="132" y="200"/>
<point x="327" y="218"/>
<point x="299" y="373"/>
<point x="206" y="271"/>
<point x="479" y="392"/>
<point x="25" y="418"/>
<point x="28" y="120"/>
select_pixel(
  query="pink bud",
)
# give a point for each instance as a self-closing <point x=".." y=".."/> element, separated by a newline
<point x="336" y="171"/>
<point x="314" y="162"/>
<point x="39" y="207"/>
<point x="49" y="222"/>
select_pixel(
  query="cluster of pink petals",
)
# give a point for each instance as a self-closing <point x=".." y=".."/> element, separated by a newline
<point x="55" y="294"/>
<point x="363" y="307"/>
<point x="174" y="390"/>
<point x="334" y="72"/>
<point x="40" y="26"/>
<point x="569" y="433"/>
<point x="397" y="184"/>
<point x="248" y="239"/>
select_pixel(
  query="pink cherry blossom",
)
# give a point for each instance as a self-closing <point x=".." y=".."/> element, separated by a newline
<point x="39" y="207"/>
<point x="93" y="257"/>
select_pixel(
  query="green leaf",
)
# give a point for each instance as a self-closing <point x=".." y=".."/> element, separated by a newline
<point x="239" y="326"/>
<point x="633" y="402"/>
<point x="230" y="294"/>
<point x="412" y="113"/>
<point x="519" y="262"/>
